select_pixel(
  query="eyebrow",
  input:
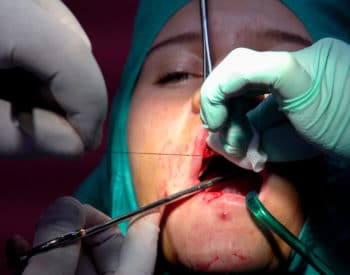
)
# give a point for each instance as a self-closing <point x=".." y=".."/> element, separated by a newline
<point x="276" y="35"/>
<point x="177" y="39"/>
<point x="285" y="36"/>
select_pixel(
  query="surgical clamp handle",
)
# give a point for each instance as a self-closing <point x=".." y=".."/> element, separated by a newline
<point x="82" y="233"/>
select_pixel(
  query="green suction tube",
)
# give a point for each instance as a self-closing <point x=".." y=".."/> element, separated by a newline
<point x="262" y="215"/>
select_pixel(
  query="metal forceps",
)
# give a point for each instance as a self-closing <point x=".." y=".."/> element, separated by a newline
<point x="83" y="233"/>
<point x="207" y="66"/>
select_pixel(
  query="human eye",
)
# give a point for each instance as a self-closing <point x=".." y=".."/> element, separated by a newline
<point x="173" y="77"/>
<point x="173" y="70"/>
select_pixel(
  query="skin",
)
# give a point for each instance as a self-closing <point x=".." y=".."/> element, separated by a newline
<point x="213" y="230"/>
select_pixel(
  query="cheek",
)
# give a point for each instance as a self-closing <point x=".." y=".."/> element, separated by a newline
<point x="152" y="121"/>
<point x="160" y="129"/>
<point x="146" y="134"/>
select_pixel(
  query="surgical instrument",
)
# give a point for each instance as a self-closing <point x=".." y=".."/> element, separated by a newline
<point x="263" y="217"/>
<point x="207" y="66"/>
<point x="76" y="235"/>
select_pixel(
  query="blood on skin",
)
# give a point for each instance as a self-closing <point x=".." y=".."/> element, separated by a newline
<point x="224" y="215"/>
<point x="210" y="196"/>
<point x="207" y="152"/>
<point x="163" y="192"/>
<point x="200" y="141"/>
<point x="206" y="266"/>
<point x="238" y="255"/>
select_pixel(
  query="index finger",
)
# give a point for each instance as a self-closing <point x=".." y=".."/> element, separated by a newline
<point x="242" y="71"/>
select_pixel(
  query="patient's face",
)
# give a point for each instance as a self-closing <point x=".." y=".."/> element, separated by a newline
<point x="213" y="230"/>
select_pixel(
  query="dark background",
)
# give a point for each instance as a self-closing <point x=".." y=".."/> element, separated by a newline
<point x="28" y="187"/>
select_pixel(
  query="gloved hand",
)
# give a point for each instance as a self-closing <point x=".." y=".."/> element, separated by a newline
<point x="310" y="87"/>
<point x="108" y="252"/>
<point x="52" y="95"/>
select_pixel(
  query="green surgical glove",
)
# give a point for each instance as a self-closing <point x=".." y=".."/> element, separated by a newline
<point x="307" y="112"/>
<point x="53" y="98"/>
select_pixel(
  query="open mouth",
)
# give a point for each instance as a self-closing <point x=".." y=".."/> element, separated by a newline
<point x="236" y="180"/>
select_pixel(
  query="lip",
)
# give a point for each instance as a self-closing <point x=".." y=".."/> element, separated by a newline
<point x="234" y="186"/>
<point x="200" y="151"/>
<point x="239" y="185"/>
<point x="230" y="191"/>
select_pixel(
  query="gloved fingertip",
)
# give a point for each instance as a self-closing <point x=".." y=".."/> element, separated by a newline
<point x="153" y="219"/>
<point x="93" y="216"/>
<point x="214" y="121"/>
<point x="66" y="201"/>
<point x="96" y="141"/>
<point x="208" y="124"/>
<point x="142" y="236"/>
<point x="149" y="220"/>
<point x="49" y="134"/>
<point x="237" y="151"/>
<point x="206" y="118"/>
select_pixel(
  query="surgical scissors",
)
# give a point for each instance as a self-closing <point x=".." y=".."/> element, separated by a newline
<point x="79" y="234"/>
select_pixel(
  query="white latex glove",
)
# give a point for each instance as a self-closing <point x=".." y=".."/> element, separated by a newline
<point x="52" y="94"/>
<point x="108" y="252"/>
<point x="309" y="102"/>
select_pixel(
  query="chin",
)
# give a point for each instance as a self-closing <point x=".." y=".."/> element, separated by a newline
<point x="213" y="230"/>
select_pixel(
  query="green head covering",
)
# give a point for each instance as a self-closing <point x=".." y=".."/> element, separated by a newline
<point x="323" y="18"/>
<point x="110" y="188"/>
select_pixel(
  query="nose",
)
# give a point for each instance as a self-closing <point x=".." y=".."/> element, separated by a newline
<point x="196" y="102"/>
